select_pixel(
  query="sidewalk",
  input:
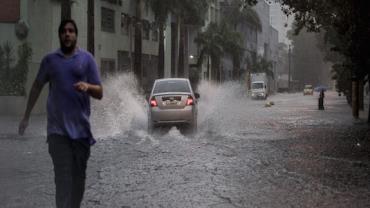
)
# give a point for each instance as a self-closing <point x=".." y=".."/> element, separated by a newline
<point x="9" y="126"/>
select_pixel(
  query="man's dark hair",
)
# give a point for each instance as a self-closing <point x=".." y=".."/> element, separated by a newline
<point x="64" y="22"/>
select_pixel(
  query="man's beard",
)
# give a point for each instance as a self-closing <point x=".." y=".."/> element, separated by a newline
<point x="67" y="49"/>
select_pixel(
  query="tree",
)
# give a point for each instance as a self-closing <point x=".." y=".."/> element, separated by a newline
<point x="187" y="12"/>
<point x="210" y="44"/>
<point x="232" y="42"/>
<point x="161" y="10"/>
<point x="349" y="20"/>
<point x="259" y="64"/>
<point x="238" y="13"/>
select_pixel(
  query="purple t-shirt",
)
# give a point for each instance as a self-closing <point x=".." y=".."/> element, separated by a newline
<point x="68" y="109"/>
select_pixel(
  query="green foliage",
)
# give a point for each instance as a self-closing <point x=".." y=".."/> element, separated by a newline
<point x="342" y="74"/>
<point x="236" y="13"/>
<point x="346" y="24"/>
<point x="258" y="64"/>
<point x="191" y="11"/>
<point x="13" y="78"/>
<point x="160" y="8"/>
<point x="210" y="42"/>
<point x="346" y="19"/>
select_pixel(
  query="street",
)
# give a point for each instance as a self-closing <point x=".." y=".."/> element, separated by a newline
<point x="244" y="155"/>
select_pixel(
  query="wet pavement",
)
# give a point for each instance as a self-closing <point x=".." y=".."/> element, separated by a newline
<point x="244" y="155"/>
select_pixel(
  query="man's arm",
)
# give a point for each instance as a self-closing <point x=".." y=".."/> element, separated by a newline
<point x="96" y="91"/>
<point x="34" y="95"/>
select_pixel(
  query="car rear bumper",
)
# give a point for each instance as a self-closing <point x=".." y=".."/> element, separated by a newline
<point x="172" y="116"/>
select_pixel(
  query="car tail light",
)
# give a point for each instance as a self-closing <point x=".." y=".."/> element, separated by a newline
<point x="153" y="102"/>
<point x="190" y="101"/>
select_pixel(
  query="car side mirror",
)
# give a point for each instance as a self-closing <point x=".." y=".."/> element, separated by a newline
<point x="197" y="95"/>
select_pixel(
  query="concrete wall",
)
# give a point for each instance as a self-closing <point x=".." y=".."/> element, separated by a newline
<point x="42" y="19"/>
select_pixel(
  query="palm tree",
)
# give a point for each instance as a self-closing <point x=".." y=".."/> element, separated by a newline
<point x="187" y="12"/>
<point x="161" y="10"/>
<point x="259" y="64"/>
<point x="232" y="44"/>
<point x="237" y="13"/>
<point x="210" y="44"/>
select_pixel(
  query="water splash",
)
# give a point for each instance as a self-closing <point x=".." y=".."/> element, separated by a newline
<point x="220" y="105"/>
<point x="122" y="109"/>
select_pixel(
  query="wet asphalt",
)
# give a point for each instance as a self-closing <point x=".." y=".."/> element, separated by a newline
<point x="244" y="155"/>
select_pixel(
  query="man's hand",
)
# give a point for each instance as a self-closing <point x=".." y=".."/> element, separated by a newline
<point x="96" y="91"/>
<point x="81" y="86"/>
<point x="22" y="126"/>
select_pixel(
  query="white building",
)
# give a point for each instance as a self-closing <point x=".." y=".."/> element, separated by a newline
<point x="112" y="40"/>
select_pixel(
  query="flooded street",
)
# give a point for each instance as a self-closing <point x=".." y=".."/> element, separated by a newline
<point x="244" y="155"/>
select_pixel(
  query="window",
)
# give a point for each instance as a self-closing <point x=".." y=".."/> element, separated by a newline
<point x="146" y="29"/>
<point x="108" y="67"/>
<point x="257" y="85"/>
<point x="107" y="20"/>
<point x="125" y="23"/>
<point x="10" y="10"/>
<point x="117" y="2"/>
<point x="124" y="61"/>
<point x="171" y="86"/>
<point x="155" y="33"/>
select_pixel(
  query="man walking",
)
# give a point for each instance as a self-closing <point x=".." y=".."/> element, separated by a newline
<point x="73" y="77"/>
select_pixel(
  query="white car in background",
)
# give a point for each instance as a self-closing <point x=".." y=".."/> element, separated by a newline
<point x="308" y="90"/>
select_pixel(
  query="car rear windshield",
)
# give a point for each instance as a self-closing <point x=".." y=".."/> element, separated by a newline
<point x="171" y="86"/>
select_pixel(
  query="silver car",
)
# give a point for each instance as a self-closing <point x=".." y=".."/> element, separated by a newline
<point x="172" y="102"/>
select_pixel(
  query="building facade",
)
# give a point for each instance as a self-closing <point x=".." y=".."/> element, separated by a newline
<point x="113" y="39"/>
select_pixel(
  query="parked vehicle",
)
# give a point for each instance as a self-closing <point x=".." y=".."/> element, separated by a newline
<point x="308" y="90"/>
<point x="172" y="102"/>
<point x="259" y="85"/>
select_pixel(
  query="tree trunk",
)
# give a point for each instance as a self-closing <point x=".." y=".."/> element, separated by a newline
<point x="361" y="95"/>
<point x="368" y="83"/>
<point x="186" y="52"/>
<point x="177" y="46"/>
<point x="180" y="68"/>
<point x="90" y="27"/>
<point x="236" y="66"/>
<point x="161" y="51"/>
<point x="368" y="116"/>
<point x="66" y="9"/>
<point x="130" y="34"/>
<point x="355" y="101"/>
<point x="138" y="42"/>
<point x="215" y="65"/>
<point x="208" y="67"/>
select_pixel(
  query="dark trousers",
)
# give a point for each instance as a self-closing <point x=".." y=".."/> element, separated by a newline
<point x="70" y="162"/>
<point x="321" y="103"/>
